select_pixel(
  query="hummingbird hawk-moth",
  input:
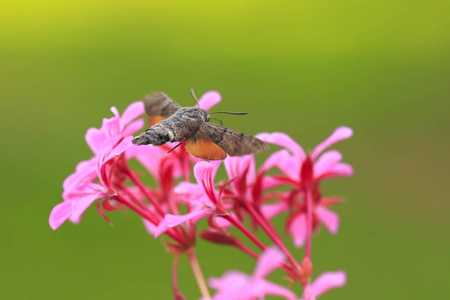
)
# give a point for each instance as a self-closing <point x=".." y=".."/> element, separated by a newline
<point x="173" y="123"/>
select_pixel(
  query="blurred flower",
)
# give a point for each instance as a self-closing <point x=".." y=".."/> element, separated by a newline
<point x="324" y="283"/>
<point x="202" y="196"/>
<point x="81" y="191"/>
<point x="305" y="172"/>
<point x="116" y="126"/>
<point x="240" y="286"/>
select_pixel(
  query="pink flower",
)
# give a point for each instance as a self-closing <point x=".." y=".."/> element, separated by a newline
<point x="209" y="99"/>
<point x="116" y="126"/>
<point x="323" y="283"/>
<point x="291" y="162"/>
<point x="305" y="172"/>
<point x="247" y="187"/>
<point x="237" y="285"/>
<point x="81" y="191"/>
<point x="202" y="196"/>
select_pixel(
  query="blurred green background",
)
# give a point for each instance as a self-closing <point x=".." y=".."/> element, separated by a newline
<point x="305" y="68"/>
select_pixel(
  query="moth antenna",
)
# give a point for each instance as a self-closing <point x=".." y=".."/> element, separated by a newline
<point x="221" y="123"/>
<point x="196" y="100"/>
<point x="229" y="112"/>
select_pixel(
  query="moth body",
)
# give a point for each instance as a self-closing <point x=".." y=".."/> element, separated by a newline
<point x="173" y="123"/>
<point x="180" y="126"/>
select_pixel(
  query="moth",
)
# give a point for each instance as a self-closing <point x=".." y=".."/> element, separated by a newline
<point x="172" y="123"/>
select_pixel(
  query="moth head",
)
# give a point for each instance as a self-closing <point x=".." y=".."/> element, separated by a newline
<point x="205" y="115"/>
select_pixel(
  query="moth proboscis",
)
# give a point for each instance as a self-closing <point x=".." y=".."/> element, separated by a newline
<point x="173" y="123"/>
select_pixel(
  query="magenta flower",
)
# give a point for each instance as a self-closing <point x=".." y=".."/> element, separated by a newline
<point x="81" y="191"/>
<point x="116" y="126"/>
<point x="203" y="197"/>
<point x="209" y="99"/>
<point x="305" y="172"/>
<point x="324" y="283"/>
<point x="237" y="285"/>
<point x="247" y="187"/>
<point x="291" y="162"/>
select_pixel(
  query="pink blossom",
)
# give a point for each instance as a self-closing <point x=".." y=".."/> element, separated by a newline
<point x="305" y="172"/>
<point x="237" y="285"/>
<point x="209" y="99"/>
<point x="117" y="126"/>
<point x="324" y="283"/>
<point x="202" y="196"/>
<point x="247" y="187"/>
<point x="81" y="191"/>
<point x="291" y="162"/>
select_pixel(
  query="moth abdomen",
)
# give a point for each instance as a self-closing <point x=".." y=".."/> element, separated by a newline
<point x="157" y="135"/>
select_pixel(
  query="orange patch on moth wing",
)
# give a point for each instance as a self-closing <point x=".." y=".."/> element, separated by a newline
<point x="155" y="120"/>
<point x="206" y="149"/>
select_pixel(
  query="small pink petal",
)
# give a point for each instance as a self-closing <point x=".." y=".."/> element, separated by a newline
<point x="329" y="218"/>
<point x="237" y="166"/>
<point x="174" y="220"/>
<point x="149" y="226"/>
<point x="80" y="205"/>
<point x="188" y="188"/>
<point x="60" y="213"/>
<point x="271" y="210"/>
<point x="85" y="172"/>
<point x="283" y="140"/>
<point x="150" y="157"/>
<point x="209" y="99"/>
<point x="298" y="230"/>
<point x="133" y="111"/>
<point x="271" y="259"/>
<point x="339" y="134"/>
<point x="285" y="162"/>
<point x="270" y="288"/>
<point x="133" y="127"/>
<point x="326" y="162"/>
<point x="328" y="281"/>
<point x="94" y="138"/>
<point x="229" y="286"/>
<point x="339" y="170"/>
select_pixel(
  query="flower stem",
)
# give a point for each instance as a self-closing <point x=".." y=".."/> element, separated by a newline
<point x="309" y="216"/>
<point x="245" y="231"/>
<point x="176" y="291"/>
<point x="141" y="186"/>
<point x="146" y="215"/>
<point x="198" y="274"/>
<point x="272" y="234"/>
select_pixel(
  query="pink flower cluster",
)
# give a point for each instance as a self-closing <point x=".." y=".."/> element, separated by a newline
<point x="174" y="206"/>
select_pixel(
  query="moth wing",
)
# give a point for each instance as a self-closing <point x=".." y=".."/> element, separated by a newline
<point x="201" y="146"/>
<point x="233" y="142"/>
<point x="159" y="106"/>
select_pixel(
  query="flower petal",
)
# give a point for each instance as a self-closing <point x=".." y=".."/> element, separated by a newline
<point x="298" y="230"/>
<point x="270" y="288"/>
<point x="271" y="210"/>
<point x="174" y="220"/>
<point x="188" y="188"/>
<point x="133" y="111"/>
<point x="209" y="99"/>
<point x="326" y="162"/>
<point x="283" y="140"/>
<point x="328" y="281"/>
<point x="60" y="213"/>
<point x="339" y="170"/>
<point x="229" y="286"/>
<point x="237" y="166"/>
<point x="339" y="134"/>
<point x="329" y="218"/>
<point x="284" y="161"/>
<point x="271" y="259"/>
